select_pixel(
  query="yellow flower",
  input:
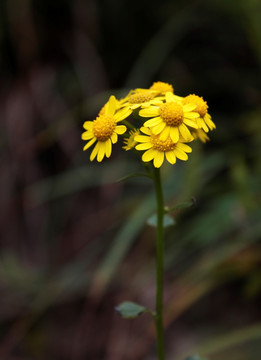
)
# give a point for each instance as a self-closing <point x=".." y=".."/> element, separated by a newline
<point x="157" y="149"/>
<point x="142" y="98"/>
<point x="199" y="133"/>
<point x="162" y="87"/>
<point x="130" y="142"/>
<point x="204" y="121"/>
<point x="171" y="119"/>
<point x="104" y="130"/>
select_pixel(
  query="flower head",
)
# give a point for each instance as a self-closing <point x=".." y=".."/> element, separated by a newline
<point x="157" y="149"/>
<point x="142" y="98"/>
<point x="204" y="120"/>
<point x="171" y="119"/>
<point x="130" y="142"/>
<point x="162" y="87"/>
<point x="104" y="129"/>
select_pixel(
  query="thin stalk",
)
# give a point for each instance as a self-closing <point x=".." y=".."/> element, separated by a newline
<point x="159" y="265"/>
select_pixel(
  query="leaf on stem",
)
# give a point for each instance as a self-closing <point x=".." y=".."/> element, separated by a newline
<point x="130" y="310"/>
<point x="183" y="205"/>
<point x="167" y="220"/>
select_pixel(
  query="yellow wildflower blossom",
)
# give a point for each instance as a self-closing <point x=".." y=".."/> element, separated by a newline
<point x="204" y="121"/>
<point x="104" y="130"/>
<point x="162" y="87"/>
<point x="157" y="149"/>
<point x="171" y="119"/>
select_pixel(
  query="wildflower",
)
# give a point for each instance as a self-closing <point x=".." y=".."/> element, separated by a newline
<point x="171" y="119"/>
<point x="142" y="98"/>
<point x="104" y="129"/>
<point x="162" y="87"/>
<point x="157" y="149"/>
<point x="130" y="142"/>
<point x="204" y="121"/>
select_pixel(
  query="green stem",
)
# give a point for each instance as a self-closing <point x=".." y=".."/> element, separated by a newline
<point x="159" y="264"/>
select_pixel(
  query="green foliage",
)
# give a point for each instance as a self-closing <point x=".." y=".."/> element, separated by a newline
<point x="167" y="221"/>
<point x="130" y="310"/>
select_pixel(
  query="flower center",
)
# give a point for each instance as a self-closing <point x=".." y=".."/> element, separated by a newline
<point x="172" y="114"/>
<point x="103" y="127"/>
<point x="162" y="145"/>
<point x="202" y="106"/>
<point x="161" y="86"/>
<point x="141" y="97"/>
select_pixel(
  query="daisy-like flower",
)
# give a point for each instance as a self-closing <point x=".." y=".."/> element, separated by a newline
<point x="130" y="142"/>
<point x="201" y="135"/>
<point x="171" y="119"/>
<point x="162" y="87"/>
<point x="157" y="149"/>
<point x="142" y="98"/>
<point x="104" y="130"/>
<point x="204" y="121"/>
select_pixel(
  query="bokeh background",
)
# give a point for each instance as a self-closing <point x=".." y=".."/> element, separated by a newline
<point x="74" y="241"/>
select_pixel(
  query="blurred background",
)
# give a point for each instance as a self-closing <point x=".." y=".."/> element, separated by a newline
<point x="74" y="241"/>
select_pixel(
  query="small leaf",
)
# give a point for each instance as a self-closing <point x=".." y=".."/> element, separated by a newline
<point x="194" y="357"/>
<point x="130" y="310"/>
<point x="167" y="220"/>
<point x="183" y="205"/>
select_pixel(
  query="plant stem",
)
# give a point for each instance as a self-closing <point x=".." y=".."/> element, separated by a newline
<point x="159" y="264"/>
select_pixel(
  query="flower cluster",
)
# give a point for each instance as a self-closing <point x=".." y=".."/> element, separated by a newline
<point x="160" y="123"/>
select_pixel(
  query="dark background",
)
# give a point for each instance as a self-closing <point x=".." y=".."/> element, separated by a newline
<point x="74" y="241"/>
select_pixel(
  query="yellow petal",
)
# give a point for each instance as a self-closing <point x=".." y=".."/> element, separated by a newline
<point x="101" y="151"/>
<point x="88" y="125"/>
<point x="122" y="114"/>
<point x="158" y="128"/>
<point x="89" y="144"/>
<point x="180" y="154"/>
<point x="174" y="134"/>
<point x="170" y="97"/>
<point x="114" y="138"/>
<point x="142" y="138"/>
<point x="170" y="156"/>
<point x="87" y="135"/>
<point x="148" y="155"/>
<point x="149" y="112"/>
<point x="158" y="159"/>
<point x="95" y="151"/>
<point x="144" y="146"/>
<point x="189" y="107"/>
<point x="209" y="122"/>
<point x="165" y="133"/>
<point x="202" y="125"/>
<point x="153" y="122"/>
<point x="190" y="123"/>
<point x="191" y="115"/>
<point x="120" y="129"/>
<point x="185" y="132"/>
<point x="111" y="106"/>
<point x="145" y="130"/>
<point x="184" y="147"/>
<point x="108" y="148"/>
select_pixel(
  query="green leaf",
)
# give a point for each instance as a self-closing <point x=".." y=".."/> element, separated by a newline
<point x="167" y="220"/>
<point x="194" y="357"/>
<point x="130" y="310"/>
<point x="183" y="205"/>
